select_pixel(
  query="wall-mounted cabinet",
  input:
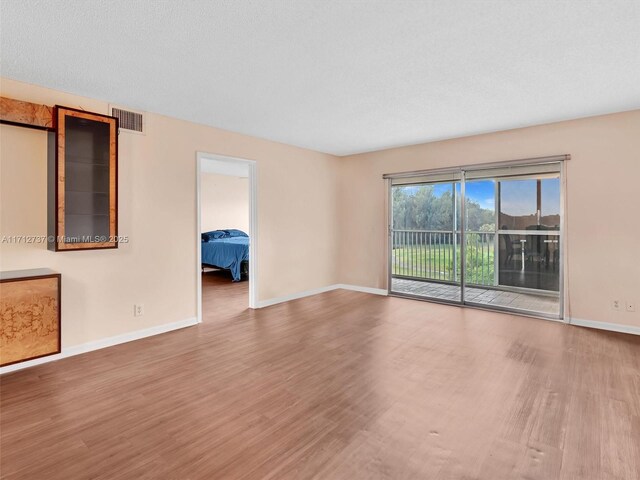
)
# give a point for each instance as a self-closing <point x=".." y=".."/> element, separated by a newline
<point x="29" y="315"/>
<point x="83" y="176"/>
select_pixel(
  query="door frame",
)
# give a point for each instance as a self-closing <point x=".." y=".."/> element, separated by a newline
<point x="251" y="166"/>
<point x="562" y="316"/>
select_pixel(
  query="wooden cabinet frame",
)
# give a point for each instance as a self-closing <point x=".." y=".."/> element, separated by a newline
<point x="57" y="177"/>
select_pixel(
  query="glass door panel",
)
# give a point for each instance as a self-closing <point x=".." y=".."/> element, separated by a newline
<point x="425" y="239"/>
<point x="480" y="232"/>
<point x="513" y="263"/>
<point x="530" y="261"/>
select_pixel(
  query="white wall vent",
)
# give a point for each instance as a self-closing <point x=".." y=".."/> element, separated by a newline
<point x="129" y="121"/>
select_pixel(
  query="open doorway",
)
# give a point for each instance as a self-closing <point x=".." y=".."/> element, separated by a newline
<point x="226" y="236"/>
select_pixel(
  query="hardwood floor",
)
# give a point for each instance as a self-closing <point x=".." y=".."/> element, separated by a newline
<point x="222" y="298"/>
<point x="342" y="385"/>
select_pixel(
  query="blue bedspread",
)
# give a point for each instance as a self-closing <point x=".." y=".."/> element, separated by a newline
<point x="226" y="253"/>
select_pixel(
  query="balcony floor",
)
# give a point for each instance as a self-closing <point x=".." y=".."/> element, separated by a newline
<point x="490" y="297"/>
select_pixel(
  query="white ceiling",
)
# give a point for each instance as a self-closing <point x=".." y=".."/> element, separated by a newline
<point x="339" y="76"/>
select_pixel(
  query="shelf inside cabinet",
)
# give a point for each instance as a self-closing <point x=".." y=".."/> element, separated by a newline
<point x="83" y="204"/>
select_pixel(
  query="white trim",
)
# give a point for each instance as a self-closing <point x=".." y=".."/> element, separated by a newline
<point x="295" y="296"/>
<point x="253" y="226"/>
<point x="612" y="327"/>
<point x="357" y="288"/>
<point x="253" y="234"/>
<point x="316" y="291"/>
<point x="103" y="343"/>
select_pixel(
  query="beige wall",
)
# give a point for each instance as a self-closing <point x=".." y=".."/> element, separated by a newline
<point x="331" y="211"/>
<point x="224" y="202"/>
<point x="157" y="210"/>
<point x="603" y="222"/>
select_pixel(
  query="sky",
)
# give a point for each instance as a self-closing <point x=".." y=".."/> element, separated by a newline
<point x="519" y="197"/>
<point x="482" y="192"/>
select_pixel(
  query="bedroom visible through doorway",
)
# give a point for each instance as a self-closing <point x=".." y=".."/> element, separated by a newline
<point x="226" y="225"/>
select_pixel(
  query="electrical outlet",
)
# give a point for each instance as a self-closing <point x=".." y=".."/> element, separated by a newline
<point x="138" y="310"/>
<point x="630" y="306"/>
<point x="617" y="305"/>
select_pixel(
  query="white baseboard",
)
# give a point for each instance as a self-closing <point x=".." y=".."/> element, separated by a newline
<point x="295" y="296"/>
<point x="103" y="343"/>
<point x="613" y="327"/>
<point x="357" y="288"/>
<point x="316" y="291"/>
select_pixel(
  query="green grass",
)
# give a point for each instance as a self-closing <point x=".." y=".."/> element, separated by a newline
<point x="435" y="263"/>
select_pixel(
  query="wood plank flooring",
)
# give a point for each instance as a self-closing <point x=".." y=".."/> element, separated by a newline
<point x="342" y="385"/>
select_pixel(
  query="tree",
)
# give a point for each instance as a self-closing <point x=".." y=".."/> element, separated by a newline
<point x="416" y="207"/>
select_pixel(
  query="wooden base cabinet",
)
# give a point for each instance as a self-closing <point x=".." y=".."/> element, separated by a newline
<point x="29" y="315"/>
<point x="83" y="181"/>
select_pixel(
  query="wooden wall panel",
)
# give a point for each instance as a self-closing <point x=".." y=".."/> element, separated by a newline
<point x="33" y="115"/>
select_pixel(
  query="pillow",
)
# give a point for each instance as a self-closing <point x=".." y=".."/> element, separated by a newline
<point x="232" y="232"/>
<point x="214" y="235"/>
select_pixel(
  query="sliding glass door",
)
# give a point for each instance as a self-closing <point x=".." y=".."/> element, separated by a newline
<point x="487" y="237"/>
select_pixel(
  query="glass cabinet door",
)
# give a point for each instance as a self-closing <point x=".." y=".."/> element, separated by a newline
<point x="85" y="200"/>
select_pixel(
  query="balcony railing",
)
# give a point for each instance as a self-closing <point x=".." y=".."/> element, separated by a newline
<point x="435" y="255"/>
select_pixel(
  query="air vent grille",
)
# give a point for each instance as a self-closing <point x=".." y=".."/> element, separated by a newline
<point x="128" y="120"/>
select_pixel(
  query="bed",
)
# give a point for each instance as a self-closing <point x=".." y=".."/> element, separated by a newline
<point x="226" y="249"/>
